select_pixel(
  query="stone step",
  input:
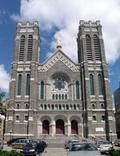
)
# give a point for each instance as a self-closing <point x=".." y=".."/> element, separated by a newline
<point x="59" y="139"/>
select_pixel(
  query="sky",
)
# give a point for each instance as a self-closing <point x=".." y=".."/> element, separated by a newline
<point x="59" y="19"/>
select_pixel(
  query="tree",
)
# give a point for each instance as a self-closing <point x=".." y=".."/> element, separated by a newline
<point x="2" y="94"/>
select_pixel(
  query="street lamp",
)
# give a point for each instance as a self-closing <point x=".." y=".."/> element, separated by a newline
<point x="111" y="134"/>
<point x="10" y="134"/>
<point x="28" y="124"/>
<point x="2" y="117"/>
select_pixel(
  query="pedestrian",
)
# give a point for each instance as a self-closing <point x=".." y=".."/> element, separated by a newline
<point x="39" y="148"/>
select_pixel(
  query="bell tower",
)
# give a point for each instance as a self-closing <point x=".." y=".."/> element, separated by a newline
<point x="24" y="76"/>
<point x="27" y="42"/>
<point x="95" y="86"/>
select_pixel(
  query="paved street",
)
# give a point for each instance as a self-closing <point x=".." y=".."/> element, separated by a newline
<point x="55" y="152"/>
<point x="52" y="150"/>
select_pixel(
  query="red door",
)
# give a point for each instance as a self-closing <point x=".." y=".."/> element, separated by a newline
<point x="59" y="126"/>
<point x="45" y="127"/>
<point x="74" y="127"/>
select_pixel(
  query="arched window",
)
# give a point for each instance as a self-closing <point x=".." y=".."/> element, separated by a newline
<point x="27" y="106"/>
<point x="92" y="92"/>
<point x="19" y="84"/>
<point x="103" y="117"/>
<point x="22" y="48"/>
<point x="42" y="90"/>
<point x="30" y="48"/>
<point x="65" y="96"/>
<point x="94" y="118"/>
<point x="67" y="107"/>
<point x="100" y="83"/>
<point x="62" y="96"/>
<point x="45" y="107"/>
<point x="88" y="47"/>
<point x="93" y="106"/>
<point x="77" y="90"/>
<point x="59" y="96"/>
<point x="74" y="107"/>
<point x="56" y="97"/>
<point x="102" y="106"/>
<point x="97" y="47"/>
<point x="52" y="107"/>
<point x="28" y="85"/>
<point x="18" y="106"/>
<point x="60" y="107"/>
<point x="42" y="107"/>
<point x="53" y="96"/>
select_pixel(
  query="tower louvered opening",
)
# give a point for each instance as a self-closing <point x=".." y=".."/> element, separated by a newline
<point x="30" y="48"/>
<point x="22" y="48"/>
<point x="88" y="47"/>
<point x="97" y="48"/>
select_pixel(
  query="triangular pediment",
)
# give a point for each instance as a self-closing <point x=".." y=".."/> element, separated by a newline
<point x="56" y="57"/>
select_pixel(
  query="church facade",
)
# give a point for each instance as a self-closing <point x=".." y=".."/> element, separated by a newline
<point x="60" y="97"/>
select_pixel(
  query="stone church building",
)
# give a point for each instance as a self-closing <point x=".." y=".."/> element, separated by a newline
<point x="60" y="97"/>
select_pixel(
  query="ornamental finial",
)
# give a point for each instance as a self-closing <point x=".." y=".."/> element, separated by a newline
<point x="58" y="44"/>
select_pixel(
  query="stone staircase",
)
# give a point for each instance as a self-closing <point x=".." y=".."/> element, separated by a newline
<point x="58" y="139"/>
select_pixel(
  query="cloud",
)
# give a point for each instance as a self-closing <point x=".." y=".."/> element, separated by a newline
<point x="65" y="15"/>
<point x="4" y="79"/>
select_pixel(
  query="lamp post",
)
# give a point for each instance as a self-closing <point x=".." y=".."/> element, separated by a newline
<point x="2" y="117"/>
<point x="28" y="125"/>
<point x="10" y="134"/>
<point x="111" y="134"/>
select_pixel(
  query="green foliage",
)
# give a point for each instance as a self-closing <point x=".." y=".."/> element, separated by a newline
<point x="115" y="153"/>
<point x="10" y="153"/>
<point x="2" y="94"/>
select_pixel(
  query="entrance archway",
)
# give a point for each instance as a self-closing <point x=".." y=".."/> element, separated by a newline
<point x="45" y="127"/>
<point x="74" y="127"/>
<point x="60" y="127"/>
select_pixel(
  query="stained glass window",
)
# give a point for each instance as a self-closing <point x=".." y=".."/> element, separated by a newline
<point x="77" y="90"/>
<point x="19" y="84"/>
<point x="92" y="92"/>
<point x="42" y="90"/>
<point x="28" y="85"/>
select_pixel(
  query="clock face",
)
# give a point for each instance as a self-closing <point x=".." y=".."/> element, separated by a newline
<point x="59" y="83"/>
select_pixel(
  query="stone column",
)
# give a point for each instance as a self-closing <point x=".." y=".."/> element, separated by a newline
<point x="52" y="128"/>
<point x="80" y="129"/>
<point x="68" y="128"/>
<point x="39" y="128"/>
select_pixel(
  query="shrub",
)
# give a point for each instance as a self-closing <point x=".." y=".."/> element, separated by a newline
<point x="10" y="153"/>
<point x="115" y="153"/>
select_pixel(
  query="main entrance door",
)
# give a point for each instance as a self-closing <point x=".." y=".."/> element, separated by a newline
<point x="74" y="127"/>
<point x="45" y="128"/>
<point x="59" y="126"/>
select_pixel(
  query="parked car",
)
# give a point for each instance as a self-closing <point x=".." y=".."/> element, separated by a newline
<point x="106" y="147"/>
<point x="20" y="143"/>
<point x="98" y="143"/>
<point x="13" y="140"/>
<point x="29" y="150"/>
<point x="117" y="142"/>
<point x="83" y="149"/>
<point x="70" y="142"/>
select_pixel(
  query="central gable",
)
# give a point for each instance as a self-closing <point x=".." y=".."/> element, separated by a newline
<point x="58" y="56"/>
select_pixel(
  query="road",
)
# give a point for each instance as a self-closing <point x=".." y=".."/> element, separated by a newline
<point x="52" y="150"/>
<point x="55" y="152"/>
